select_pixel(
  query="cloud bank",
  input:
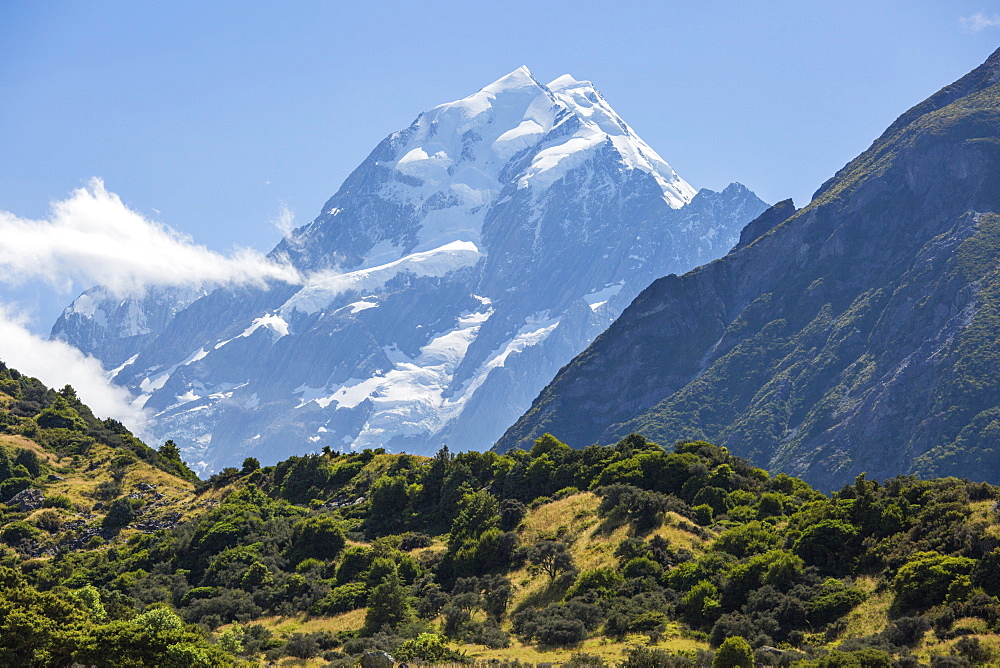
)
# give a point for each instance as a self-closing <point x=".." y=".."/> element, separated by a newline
<point x="93" y="238"/>
<point x="56" y="364"/>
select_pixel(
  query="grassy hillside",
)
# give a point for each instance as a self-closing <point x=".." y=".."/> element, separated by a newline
<point x="630" y="554"/>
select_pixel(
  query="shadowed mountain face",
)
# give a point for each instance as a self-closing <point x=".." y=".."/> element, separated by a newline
<point x="859" y="334"/>
<point x="466" y="260"/>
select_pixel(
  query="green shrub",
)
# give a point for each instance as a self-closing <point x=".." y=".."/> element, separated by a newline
<point x="355" y="563"/>
<point x="12" y="486"/>
<point x="60" y="415"/>
<point x="923" y="581"/>
<point x="640" y="567"/>
<point x="320" y="537"/>
<point x="19" y="531"/>
<point x="834" y="601"/>
<point x="604" y="582"/>
<point x="58" y="501"/>
<point x="108" y="489"/>
<point x="344" y="598"/>
<point x="829" y="545"/>
<point x="734" y="652"/>
<point x="427" y="648"/>
<point x="585" y="660"/>
<point x="121" y="513"/>
<point x="703" y="514"/>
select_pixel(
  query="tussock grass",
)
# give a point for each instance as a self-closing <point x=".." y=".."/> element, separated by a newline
<point x="933" y="646"/>
<point x="610" y="651"/>
<point x="303" y="623"/>
<point x="871" y="616"/>
<point x="18" y="441"/>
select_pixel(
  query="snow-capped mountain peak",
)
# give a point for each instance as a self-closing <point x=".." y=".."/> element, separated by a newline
<point x="436" y="182"/>
<point x="467" y="259"/>
<point x="454" y="160"/>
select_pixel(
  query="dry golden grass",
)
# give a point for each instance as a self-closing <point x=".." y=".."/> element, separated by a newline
<point x="284" y="627"/>
<point x="17" y="441"/>
<point x="573" y="520"/>
<point x="81" y="485"/>
<point x="609" y="650"/>
<point x="302" y="623"/>
<point x="289" y="662"/>
<point x="975" y="624"/>
<point x="592" y="542"/>
<point x="933" y="646"/>
<point x="81" y="481"/>
<point x="432" y="552"/>
<point x="679" y="537"/>
<point x="870" y="616"/>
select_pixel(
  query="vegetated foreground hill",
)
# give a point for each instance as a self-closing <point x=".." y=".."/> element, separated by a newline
<point x="620" y="554"/>
<point x="861" y="333"/>
<point x="466" y="260"/>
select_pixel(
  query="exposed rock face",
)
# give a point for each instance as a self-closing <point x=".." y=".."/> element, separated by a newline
<point x="455" y="271"/>
<point x="27" y="500"/>
<point x="859" y="334"/>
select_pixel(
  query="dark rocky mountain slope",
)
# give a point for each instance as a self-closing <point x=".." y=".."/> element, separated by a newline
<point x="860" y="333"/>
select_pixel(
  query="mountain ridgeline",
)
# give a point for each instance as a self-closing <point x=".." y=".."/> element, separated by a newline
<point x="858" y="334"/>
<point x="466" y="260"/>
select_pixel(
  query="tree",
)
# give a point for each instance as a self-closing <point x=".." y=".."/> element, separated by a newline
<point x="60" y="415"/>
<point x="734" y="652"/>
<point x="701" y="604"/>
<point x="547" y="444"/>
<point x="91" y="599"/>
<point x="318" y="537"/>
<point x="604" y="582"/>
<point x="250" y="464"/>
<point x="497" y="593"/>
<point x="387" y="605"/>
<point x="231" y="640"/>
<point x="387" y="502"/>
<point x="357" y="559"/>
<point x="169" y="450"/>
<point x="302" y="646"/>
<point x="747" y="539"/>
<point x="121" y="512"/>
<point x="829" y="545"/>
<point x="512" y="512"/>
<point x="478" y="512"/>
<point x="551" y="556"/>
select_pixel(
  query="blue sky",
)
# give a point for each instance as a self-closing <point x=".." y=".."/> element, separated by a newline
<point x="214" y="117"/>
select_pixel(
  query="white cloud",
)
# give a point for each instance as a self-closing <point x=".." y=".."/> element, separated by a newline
<point x="57" y="364"/>
<point x="93" y="238"/>
<point x="285" y="220"/>
<point x="980" y="21"/>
